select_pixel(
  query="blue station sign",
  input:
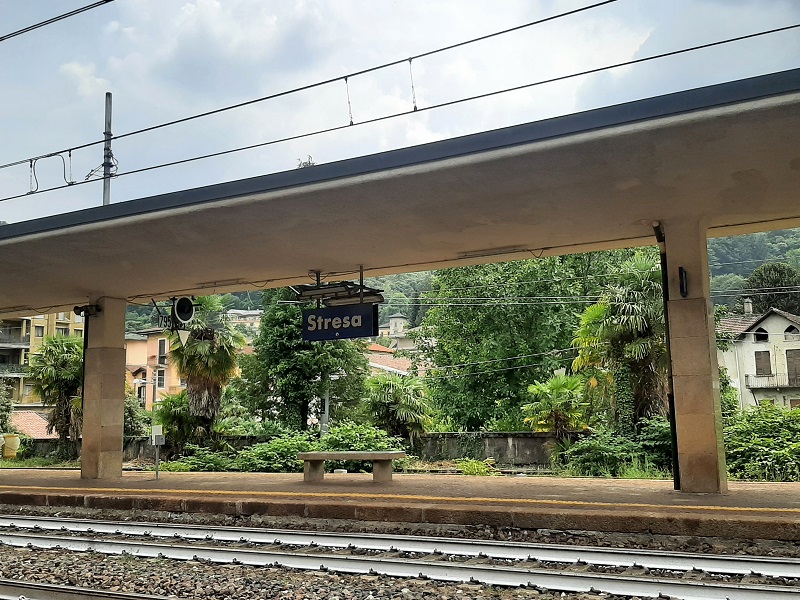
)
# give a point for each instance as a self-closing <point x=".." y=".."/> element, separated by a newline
<point x="340" y="322"/>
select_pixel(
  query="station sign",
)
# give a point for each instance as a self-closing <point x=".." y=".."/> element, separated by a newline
<point x="340" y="322"/>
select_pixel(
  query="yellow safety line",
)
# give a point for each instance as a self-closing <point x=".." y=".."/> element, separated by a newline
<point x="316" y="495"/>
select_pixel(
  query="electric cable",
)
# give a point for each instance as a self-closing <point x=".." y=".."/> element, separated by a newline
<point x="322" y="82"/>
<point x="382" y="118"/>
<point x="52" y="20"/>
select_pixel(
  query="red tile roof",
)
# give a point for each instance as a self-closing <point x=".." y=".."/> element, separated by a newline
<point x="32" y="424"/>
<point x="378" y="348"/>
<point x="737" y="324"/>
<point x="392" y="364"/>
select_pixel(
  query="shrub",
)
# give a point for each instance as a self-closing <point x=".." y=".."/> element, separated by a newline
<point x="763" y="443"/>
<point x="655" y="437"/>
<point x="276" y="456"/>
<point x="199" y="459"/>
<point x="351" y="436"/>
<point x="136" y="420"/>
<point x="470" y="466"/>
<point x="601" y="454"/>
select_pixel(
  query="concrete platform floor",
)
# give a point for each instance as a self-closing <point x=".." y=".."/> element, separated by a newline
<point x="748" y="510"/>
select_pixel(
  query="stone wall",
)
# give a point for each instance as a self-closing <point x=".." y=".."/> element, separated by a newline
<point x="512" y="448"/>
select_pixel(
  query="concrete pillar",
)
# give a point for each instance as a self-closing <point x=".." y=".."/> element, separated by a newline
<point x="701" y="453"/>
<point x="104" y="391"/>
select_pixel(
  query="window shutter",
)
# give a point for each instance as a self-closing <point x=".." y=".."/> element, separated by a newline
<point x="763" y="363"/>
<point x="793" y="366"/>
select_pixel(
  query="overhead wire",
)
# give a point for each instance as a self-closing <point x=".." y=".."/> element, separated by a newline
<point x="52" y="20"/>
<point x="377" y="119"/>
<point x="321" y="83"/>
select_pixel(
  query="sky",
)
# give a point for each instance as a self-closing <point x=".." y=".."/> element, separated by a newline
<point x="168" y="59"/>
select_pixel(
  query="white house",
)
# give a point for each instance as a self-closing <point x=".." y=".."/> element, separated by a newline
<point x="763" y="361"/>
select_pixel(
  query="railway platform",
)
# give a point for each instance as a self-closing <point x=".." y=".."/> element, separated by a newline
<point x="748" y="510"/>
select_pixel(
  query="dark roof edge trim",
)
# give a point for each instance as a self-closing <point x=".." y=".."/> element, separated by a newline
<point x="712" y="96"/>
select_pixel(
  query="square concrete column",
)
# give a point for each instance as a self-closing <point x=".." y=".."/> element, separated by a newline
<point x="104" y="391"/>
<point x="698" y="418"/>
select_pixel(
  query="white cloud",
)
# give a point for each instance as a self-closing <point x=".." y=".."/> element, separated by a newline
<point x="166" y="59"/>
<point x="84" y="79"/>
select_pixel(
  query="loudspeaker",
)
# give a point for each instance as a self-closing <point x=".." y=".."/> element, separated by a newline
<point x="183" y="309"/>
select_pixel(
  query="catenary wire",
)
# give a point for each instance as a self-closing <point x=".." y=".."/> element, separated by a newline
<point x="395" y="115"/>
<point x="323" y="82"/>
<point x="52" y="20"/>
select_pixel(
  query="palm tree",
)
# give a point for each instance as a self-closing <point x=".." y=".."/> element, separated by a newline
<point x="208" y="359"/>
<point x="398" y="404"/>
<point x="57" y="368"/>
<point x="558" y="405"/>
<point x="624" y="335"/>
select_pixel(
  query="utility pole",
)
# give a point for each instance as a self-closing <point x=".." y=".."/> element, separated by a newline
<point x="107" y="156"/>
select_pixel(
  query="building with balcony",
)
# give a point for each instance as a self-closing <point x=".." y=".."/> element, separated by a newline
<point x="20" y="337"/>
<point x="763" y="361"/>
<point x="150" y="372"/>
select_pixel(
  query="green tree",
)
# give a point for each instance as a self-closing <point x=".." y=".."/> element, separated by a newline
<point x="494" y="328"/>
<point x="181" y="427"/>
<point x="286" y="377"/>
<point x="208" y="359"/>
<point x="624" y="335"/>
<point x="558" y="405"/>
<point x="57" y="370"/>
<point x="725" y="289"/>
<point x="136" y="420"/>
<point x="774" y="285"/>
<point x="6" y="407"/>
<point x="398" y="404"/>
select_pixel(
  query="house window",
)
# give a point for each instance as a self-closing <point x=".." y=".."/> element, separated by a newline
<point x="792" y="334"/>
<point x="162" y="351"/>
<point x="160" y="375"/>
<point x="794" y="403"/>
<point x="28" y="389"/>
<point x="793" y="367"/>
<point x="38" y="331"/>
<point x="62" y="330"/>
<point x="79" y="332"/>
<point x="142" y="394"/>
<point x="763" y="363"/>
<point x="761" y="335"/>
<point x="183" y="381"/>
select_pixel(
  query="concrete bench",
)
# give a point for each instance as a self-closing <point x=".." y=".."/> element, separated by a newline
<point x="314" y="465"/>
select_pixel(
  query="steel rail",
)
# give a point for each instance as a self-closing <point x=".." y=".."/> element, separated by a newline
<point x="16" y="590"/>
<point x="557" y="553"/>
<point x="566" y="581"/>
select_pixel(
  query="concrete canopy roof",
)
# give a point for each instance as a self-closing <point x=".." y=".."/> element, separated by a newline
<point x="728" y="153"/>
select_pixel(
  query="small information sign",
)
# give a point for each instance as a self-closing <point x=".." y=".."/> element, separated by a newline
<point x="340" y="322"/>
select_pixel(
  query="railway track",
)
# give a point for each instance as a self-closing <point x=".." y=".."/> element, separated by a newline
<point x="555" y="567"/>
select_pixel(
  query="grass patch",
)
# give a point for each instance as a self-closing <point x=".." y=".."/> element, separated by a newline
<point x="39" y="462"/>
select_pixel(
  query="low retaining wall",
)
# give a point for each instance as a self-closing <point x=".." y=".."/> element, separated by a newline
<point x="512" y="448"/>
<point x="140" y="447"/>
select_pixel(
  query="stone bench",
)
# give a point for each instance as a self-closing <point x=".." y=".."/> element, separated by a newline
<point x="314" y="465"/>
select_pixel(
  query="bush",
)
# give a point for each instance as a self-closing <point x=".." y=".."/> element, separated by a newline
<point x="602" y="454"/>
<point x="351" y="436"/>
<point x="470" y="466"/>
<point x="276" y="456"/>
<point x="763" y="443"/>
<point x="136" y="420"/>
<point x="655" y="438"/>
<point x="199" y="459"/>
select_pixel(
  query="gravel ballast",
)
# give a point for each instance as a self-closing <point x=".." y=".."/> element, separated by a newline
<point x="197" y="579"/>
